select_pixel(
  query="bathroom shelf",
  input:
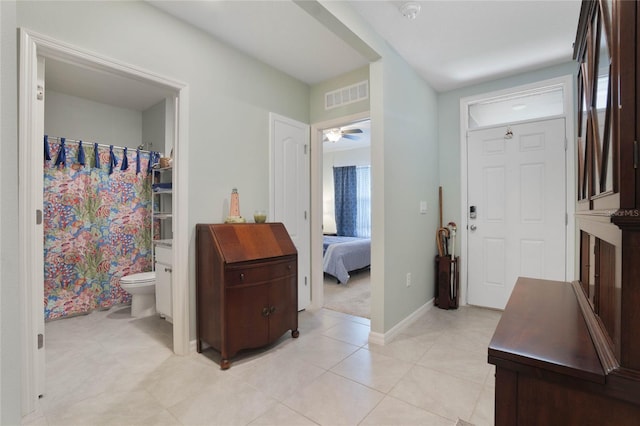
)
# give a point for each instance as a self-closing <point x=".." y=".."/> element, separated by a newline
<point x="165" y="243"/>
<point x="162" y="202"/>
<point x="162" y="235"/>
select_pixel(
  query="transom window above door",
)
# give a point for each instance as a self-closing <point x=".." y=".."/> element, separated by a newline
<point x="515" y="107"/>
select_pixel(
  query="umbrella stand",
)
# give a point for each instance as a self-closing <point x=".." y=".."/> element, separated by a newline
<point x="446" y="264"/>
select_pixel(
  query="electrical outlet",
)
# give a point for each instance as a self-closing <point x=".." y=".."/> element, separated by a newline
<point x="408" y="279"/>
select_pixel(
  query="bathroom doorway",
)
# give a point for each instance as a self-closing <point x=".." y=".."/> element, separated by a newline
<point x="103" y="77"/>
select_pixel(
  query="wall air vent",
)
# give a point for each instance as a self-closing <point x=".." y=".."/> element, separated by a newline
<point x="346" y="95"/>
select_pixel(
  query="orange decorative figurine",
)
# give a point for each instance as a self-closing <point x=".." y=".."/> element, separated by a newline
<point x="234" y="209"/>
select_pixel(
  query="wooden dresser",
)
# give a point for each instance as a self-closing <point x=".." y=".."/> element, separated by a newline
<point x="246" y="286"/>
<point x="569" y="353"/>
<point x="548" y="369"/>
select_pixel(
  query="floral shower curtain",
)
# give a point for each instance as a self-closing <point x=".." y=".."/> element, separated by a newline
<point x="97" y="225"/>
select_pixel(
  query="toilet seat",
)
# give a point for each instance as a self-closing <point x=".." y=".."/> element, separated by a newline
<point x="139" y="279"/>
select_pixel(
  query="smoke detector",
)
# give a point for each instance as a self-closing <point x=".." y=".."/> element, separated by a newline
<point x="410" y="10"/>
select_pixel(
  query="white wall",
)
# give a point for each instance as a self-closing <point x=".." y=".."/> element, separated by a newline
<point x="153" y="128"/>
<point x="82" y="119"/>
<point x="350" y="157"/>
<point x="10" y="353"/>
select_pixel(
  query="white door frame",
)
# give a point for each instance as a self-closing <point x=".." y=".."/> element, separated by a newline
<point x="570" y="174"/>
<point x="317" y="274"/>
<point x="33" y="45"/>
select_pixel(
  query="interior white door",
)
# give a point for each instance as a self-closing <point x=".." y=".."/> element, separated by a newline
<point x="517" y="188"/>
<point x="290" y="192"/>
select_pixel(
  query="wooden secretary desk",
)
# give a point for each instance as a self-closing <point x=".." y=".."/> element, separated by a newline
<point x="246" y="286"/>
<point x="569" y="353"/>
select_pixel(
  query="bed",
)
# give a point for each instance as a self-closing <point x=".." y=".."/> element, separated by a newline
<point x="345" y="254"/>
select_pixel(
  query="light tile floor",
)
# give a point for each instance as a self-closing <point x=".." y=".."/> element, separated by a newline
<point x="109" y="369"/>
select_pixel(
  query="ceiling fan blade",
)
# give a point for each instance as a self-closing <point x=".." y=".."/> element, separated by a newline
<point x="347" y="131"/>
<point x="350" y="137"/>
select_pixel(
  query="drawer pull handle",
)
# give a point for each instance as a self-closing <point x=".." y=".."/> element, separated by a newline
<point x="167" y="269"/>
<point x="265" y="312"/>
<point x="289" y="267"/>
<point x="272" y="310"/>
<point x="241" y="277"/>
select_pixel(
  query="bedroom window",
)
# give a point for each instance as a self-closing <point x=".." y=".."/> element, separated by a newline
<point x="363" y="195"/>
<point x="353" y="200"/>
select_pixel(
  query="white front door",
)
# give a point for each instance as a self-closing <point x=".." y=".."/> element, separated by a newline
<point x="290" y="192"/>
<point x="518" y="191"/>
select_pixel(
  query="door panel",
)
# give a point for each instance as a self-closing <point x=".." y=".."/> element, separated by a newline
<point x="494" y="258"/>
<point x="494" y="199"/>
<point x="518" y="187"/>
<point x="281" y="293"/>
<point x="244" y="305"/>
<point x="291" y="186"/>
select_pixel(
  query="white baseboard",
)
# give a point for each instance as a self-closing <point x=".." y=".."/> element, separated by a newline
<point x="375" y="338"/>
<point x="384" y="338"/>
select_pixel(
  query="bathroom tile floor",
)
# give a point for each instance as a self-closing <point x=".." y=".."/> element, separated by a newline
<point x="109" y="369"/>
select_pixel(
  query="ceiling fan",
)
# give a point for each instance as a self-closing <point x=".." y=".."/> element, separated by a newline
<point x="334" y="135"/>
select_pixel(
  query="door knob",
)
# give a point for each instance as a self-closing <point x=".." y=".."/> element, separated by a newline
<point x="472" y="227"/>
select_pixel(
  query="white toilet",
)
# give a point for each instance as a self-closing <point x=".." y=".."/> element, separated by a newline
<point x="142" y="288"/>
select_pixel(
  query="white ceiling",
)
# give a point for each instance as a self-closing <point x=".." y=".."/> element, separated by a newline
<point x="102" y="87"/>
<point x="454" y="43"/>
<point x="277" y="32"/>
<point x="450" y="44"/>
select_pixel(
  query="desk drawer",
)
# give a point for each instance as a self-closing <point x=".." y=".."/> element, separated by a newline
<point x="257" y="272"/>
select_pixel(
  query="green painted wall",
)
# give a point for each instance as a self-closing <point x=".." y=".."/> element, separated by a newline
<point x="404" y="167"/>
<point x="415" y="141"/>
<point x="10" y="339"/>
<point x="230" y="97"/>
<point x="317" y="112"/>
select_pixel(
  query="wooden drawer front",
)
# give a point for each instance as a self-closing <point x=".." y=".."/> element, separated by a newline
<point x="252" y="273"/>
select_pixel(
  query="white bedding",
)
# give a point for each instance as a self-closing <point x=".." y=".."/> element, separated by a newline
<point x="345" y="254"/>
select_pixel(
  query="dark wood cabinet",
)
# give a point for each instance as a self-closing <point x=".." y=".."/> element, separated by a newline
<point x="569" y="353"/>
<point x="246" y="286"/>
<point x="608" y="217"/>
<point x="447" y="282"/>
<point x="549" y="366"/>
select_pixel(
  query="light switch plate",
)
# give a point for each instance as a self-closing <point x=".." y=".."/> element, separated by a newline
<point x="423" y="207"/>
